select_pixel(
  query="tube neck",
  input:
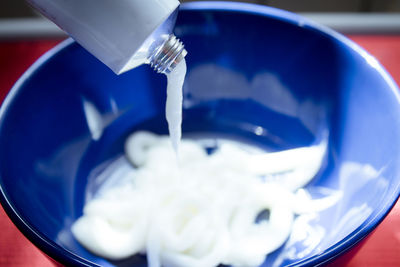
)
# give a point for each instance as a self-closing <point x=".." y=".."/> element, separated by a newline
<point x="168" y="55"/>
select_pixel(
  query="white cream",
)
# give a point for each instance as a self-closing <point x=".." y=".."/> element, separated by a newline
<point x="202" y="213"/>
<point x="173" y="106"/>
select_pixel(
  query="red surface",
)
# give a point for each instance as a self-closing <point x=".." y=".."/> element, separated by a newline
<point x="15" y="58"/>
<point x="381" y="249"/>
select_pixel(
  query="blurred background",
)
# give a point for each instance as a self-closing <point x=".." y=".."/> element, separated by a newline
<point x="18" y="8"/>
<point x="17" y="19"/>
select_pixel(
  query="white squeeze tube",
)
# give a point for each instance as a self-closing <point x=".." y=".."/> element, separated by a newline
<point x="123" y="34"/>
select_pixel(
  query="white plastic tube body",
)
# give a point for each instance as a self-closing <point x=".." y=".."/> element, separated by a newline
<point x="119" y="33"/>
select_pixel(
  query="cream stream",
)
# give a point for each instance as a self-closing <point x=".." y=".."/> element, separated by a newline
<point x="173" y="107"/>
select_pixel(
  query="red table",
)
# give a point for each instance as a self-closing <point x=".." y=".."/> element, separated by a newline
<point x="381" y="249"/>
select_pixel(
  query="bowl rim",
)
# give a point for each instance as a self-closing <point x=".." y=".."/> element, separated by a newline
<point x="64" y="256"/>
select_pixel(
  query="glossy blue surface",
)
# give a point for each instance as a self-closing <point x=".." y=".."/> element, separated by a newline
<point x="256" y="74"/>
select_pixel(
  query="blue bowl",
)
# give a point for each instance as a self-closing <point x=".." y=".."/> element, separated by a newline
<point x="255" y="73"/>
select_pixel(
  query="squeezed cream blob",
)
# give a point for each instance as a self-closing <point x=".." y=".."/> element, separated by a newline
<point x="203" y="213"/>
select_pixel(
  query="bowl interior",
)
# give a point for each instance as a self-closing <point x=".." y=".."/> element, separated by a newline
<point x="254" y="74"/>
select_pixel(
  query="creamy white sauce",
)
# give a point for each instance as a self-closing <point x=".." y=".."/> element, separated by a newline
<point x="173" y="107"/>
<point x="203" y="212"/>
